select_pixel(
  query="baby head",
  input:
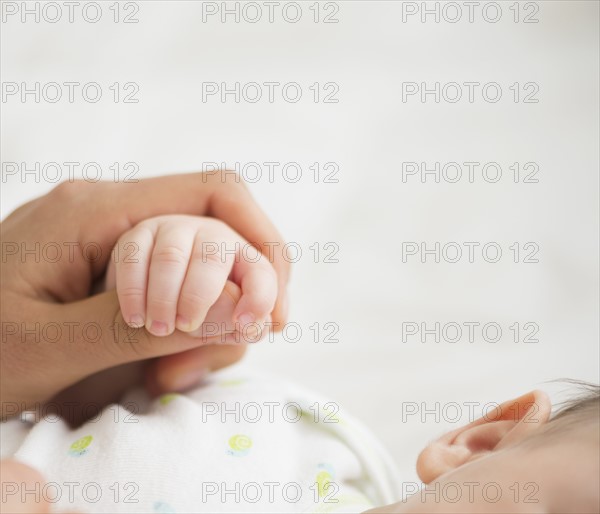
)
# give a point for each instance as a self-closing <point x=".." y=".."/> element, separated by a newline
<point x="518" y="458"/>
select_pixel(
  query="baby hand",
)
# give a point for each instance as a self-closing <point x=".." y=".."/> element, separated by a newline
<point x="170" y="270"/>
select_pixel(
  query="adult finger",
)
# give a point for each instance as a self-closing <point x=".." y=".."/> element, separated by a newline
<point x="17" y="478"/>
<point x="183" y="370"/>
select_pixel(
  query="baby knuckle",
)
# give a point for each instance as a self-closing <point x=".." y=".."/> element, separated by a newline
<point x="211" y="257"/>
<point x="194" y="299"/>
<point x="171" y="255"/>
<point x="131" y="292"/>
<point x="161" y="302"/>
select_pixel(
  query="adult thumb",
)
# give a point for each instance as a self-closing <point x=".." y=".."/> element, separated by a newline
<point x="94" y="336"/>
<point x="21" y="489"/>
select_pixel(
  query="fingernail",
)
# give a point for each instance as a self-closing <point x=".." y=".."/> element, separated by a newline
<point x="159" y="328"/>
<point x="245" y="318"/>
<point x="184" y="324"/>
<point x="136" y="321"/>
<point x="189" y="378"/>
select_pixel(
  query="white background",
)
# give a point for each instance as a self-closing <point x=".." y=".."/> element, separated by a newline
<point x="369" y="133"/>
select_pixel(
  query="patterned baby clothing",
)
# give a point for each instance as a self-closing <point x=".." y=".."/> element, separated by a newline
<point x="238" y="443"/>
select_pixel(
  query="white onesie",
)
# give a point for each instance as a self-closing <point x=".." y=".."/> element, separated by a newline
<point x="237" y="443"/>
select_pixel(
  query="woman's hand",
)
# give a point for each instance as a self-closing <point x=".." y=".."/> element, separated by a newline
<point x="55" y="248"/>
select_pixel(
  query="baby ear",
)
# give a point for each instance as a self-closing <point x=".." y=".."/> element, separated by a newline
<point x="503" y="426"/>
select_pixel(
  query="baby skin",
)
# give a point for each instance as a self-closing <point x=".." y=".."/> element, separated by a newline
<point x="516" y="459"/>
<point x="197" y="276"/>
<point x="183" y="275"/>
<point x="170" y="270"/>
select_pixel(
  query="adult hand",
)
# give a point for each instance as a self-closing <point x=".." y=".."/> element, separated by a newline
<point x="54" y="332"/>
<point x="21" y="486"/>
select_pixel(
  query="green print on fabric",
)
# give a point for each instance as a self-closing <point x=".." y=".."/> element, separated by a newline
<point x="325" y="476"/>
<point x="163" y="508"/>
<point x="81" y="446"/>
<point x="239" y="445"/>
<point x="165" y="399"/>
<point x="344" y="503"/>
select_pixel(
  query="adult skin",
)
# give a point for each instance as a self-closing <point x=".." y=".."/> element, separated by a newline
<point x="56" y="294"/>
